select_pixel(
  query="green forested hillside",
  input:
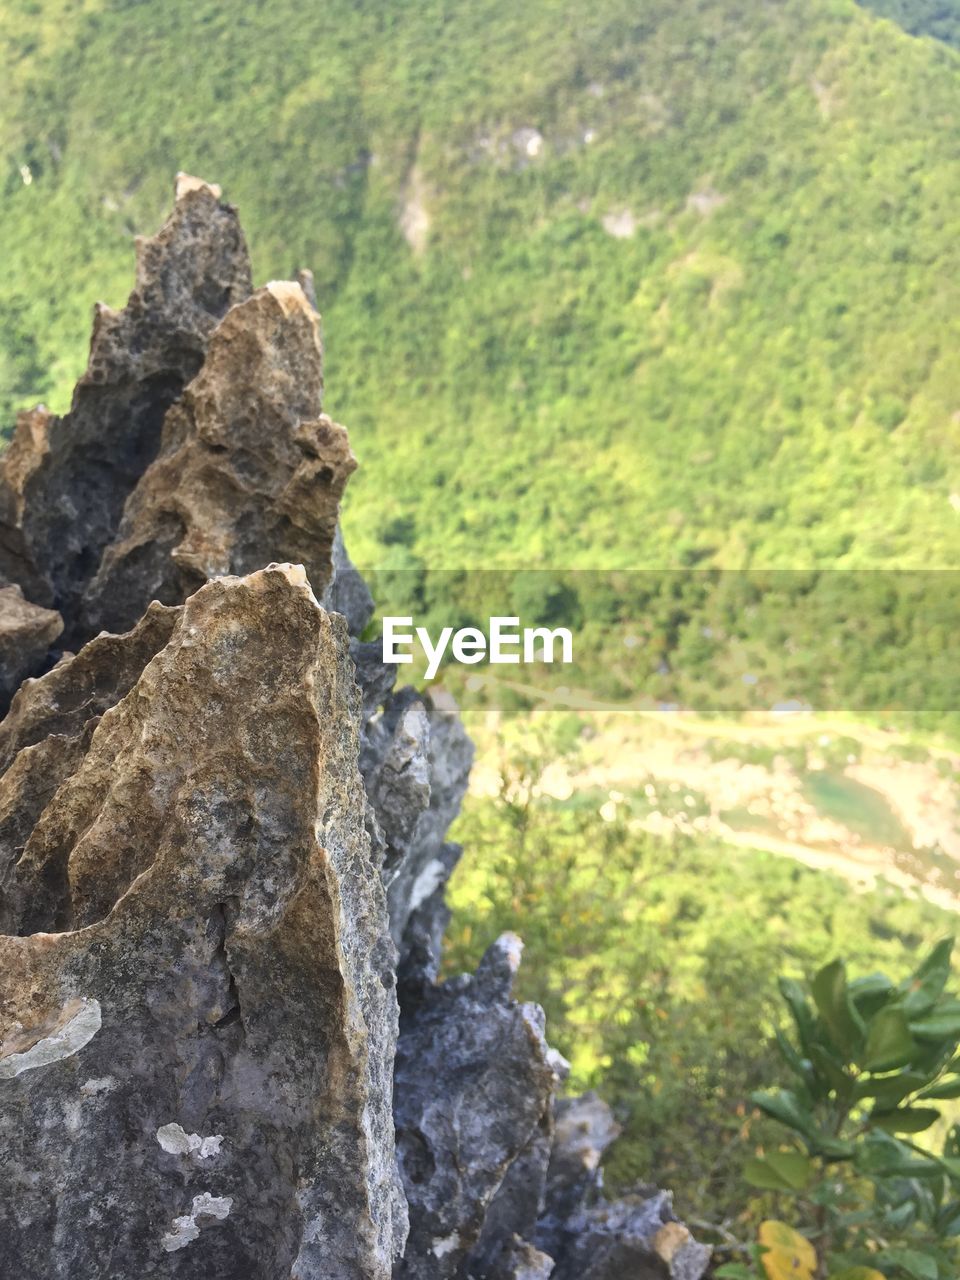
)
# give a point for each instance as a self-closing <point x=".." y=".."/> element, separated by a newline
<point x="937" y="18"/>
<point x="635" y="282"/>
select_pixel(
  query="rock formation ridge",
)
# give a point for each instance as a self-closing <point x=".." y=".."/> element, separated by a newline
<point x="225" y="1052"/>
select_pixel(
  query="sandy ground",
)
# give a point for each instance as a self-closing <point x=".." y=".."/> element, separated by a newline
<point x="674" y="764"/>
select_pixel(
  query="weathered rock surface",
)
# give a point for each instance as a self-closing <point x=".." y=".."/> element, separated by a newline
<point x="415" y="759"/>
<point x="474" y="1083"/>
<point x="26" y="633"/>
<point x="82" y="686"/>
<point x="200" y="947"/>
<point x="63" y="481"/>
<point x="223" y="855"/>
<point x="591" y="1238"/>
<point x="249" y="470"/>
<point x="637" y="1237"/>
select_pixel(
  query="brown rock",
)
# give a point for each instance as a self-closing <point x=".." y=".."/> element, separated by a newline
<point x="82" y="686"/>
<point x="197" y="1014"/>
<point x="249" y="470"/>
<point x="26" y="633"/>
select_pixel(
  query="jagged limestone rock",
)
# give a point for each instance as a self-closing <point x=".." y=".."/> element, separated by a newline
<point x="211" y="842"/>
<point x="636" y="1236"/>
<point x="199" y="948"/>
<point x="249" y="470"/>
<point x="520" y="1260"/>
<point x="82" y="686"/>
<point x="26" y="633"/>
<point x="474" y="1082"/>
<point x="348" y="593"/>
<point x="595" y="1239"/>
<point x="584" y="1128"/>
<point x="511" y="1219"/>
<point x="64" y="480"/>
<point x="415" y="758"/>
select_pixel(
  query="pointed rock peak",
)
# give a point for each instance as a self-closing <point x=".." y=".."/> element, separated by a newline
<point x="291" y="296"/>
<point x="249" y="470"/>
<point x="26" y="633"/>
<point x="64" y="480"/>
<point x="186" y="182"/>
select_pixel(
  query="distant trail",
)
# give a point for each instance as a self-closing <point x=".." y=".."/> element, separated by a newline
<point x="863" y="867"/>
<point x="863" y="873"/>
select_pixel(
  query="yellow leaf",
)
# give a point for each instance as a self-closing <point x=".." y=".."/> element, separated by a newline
<point x="789" y="1255"/>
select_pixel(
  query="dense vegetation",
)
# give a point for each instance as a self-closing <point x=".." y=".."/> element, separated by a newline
<point x="685" y="279"/>
<point x="657" y="963"/>
<point x="876" y="646"/>
<point x="937" y="18"/>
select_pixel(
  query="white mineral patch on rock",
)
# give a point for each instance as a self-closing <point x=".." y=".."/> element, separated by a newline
<point x="185" y="1228"/>
<point x="100" y="1084"/>
<point x="447" y="1244"/>
<point x="426" y="882"/>
<point x="78" y="1030"/>
<point x="173" y="1138"/>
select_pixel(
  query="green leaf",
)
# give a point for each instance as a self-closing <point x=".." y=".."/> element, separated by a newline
<point x="941" y="1024"/>
<point x="889" y="1090"/>
<point x="856" y="1273"/>
<point x="832" y="998"/>
<point x="916" y="1264"/>
<point x="881" y="1156"/>
<point x="889" y="1042"/>
<point x="792" y="1168"/>
<point x="948" y="1088"/>
<point x="760" y="1173"/>
<point x="832" y="1070"/>
<point x="796" y="1001"/>
<point x="797" y="1065"/>
<point x="926" y="986"/>
<point x="871" y="993"/>
<point x="951" y="1165"/>
<point x="948" y="1219"/>
<point x="785" y="1106"/>
<point x="824" y="1144"/>
<point x="905" y="1120"/>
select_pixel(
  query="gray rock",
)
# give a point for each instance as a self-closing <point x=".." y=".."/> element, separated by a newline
<point x="348" y="593"/>
<point x="197" y="1013"/>
<point x="584" y="1128"/>
<point x="415" y="759"/>
<point x="519" y="1260"/>
<point x="223" y="855"/>
<point x="82" y="686"/>
<point x="511" y="1219"/>
<point x="474" y="1082"/>
<point x="64" y="480"/>
<point x="637" y="1237"/>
